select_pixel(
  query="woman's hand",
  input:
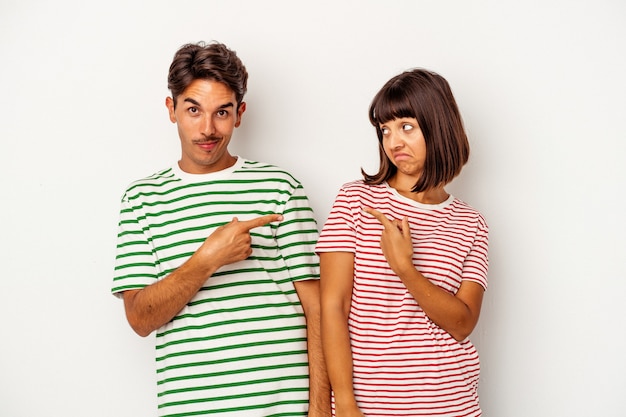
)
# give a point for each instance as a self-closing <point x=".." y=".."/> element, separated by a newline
<point x="395" y="241"/>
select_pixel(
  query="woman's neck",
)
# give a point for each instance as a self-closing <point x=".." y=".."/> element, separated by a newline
<point x="435" y="195"/>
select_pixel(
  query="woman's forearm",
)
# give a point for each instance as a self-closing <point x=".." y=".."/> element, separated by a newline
<point x="455" y="313"/>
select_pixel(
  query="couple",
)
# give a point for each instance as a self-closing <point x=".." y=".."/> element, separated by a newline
<point x="255" y="313"/>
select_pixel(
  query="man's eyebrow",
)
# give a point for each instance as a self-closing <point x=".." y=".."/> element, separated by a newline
<point x="195" y="103"/>
<point x="192" y="101"/>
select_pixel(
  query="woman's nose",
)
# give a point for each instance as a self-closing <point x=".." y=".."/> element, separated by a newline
<point x="395" y="141"/>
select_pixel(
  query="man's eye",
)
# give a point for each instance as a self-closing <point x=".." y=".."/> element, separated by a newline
<point x="193" y="110"/>
<point x="222" y="113"/>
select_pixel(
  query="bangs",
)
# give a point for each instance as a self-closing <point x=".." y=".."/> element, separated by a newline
<point x="393" y="102"/>
<point x="426" y="97"/>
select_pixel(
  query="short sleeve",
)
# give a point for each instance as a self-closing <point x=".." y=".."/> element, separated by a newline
<point x="296" y="237"/>
<point x="134" y="261"/>
<point x="476" y="263"/>
<point x="339" y="231"/>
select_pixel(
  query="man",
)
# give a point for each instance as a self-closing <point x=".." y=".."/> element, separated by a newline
<point x="216" y="254"/>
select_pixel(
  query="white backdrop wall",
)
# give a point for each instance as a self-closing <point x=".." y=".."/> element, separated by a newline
<point x="541" y="88"/>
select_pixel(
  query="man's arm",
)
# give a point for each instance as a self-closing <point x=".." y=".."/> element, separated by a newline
<point x="151" y="307"/>
<point x="319" y="386"/>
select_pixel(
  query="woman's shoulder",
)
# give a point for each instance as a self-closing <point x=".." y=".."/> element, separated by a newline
<point x="361" y="186"/>
<point x="357" y="193"/>
<point x="464" y="209"/>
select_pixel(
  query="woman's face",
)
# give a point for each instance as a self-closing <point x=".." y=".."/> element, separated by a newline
<point x="404" y="145"/>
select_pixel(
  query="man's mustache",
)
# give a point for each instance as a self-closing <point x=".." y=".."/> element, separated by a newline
<point x="207" y="139"/>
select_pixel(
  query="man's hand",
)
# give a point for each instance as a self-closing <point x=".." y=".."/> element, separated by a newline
<point x="231" y="242"/>
<point x="149" y="308"/>
<point x="395" y="241"/>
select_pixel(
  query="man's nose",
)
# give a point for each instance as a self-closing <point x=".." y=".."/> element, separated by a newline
<point x="208" y="127"/>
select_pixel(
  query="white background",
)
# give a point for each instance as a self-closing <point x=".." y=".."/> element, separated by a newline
<point x="541" y="88"/>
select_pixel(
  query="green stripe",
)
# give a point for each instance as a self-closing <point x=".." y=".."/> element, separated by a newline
<point x="126" y="255"/>
<point x="250" y="407"/>
<point x="237" y="371"/>
<point x="221" y="349"/>
<point x="229" y="322"/>
<point x="126" y="288"/>
<point x="134" y="276"/>
<point x="232" y="334"/>
<point x="249" y="182"/>
<point x="227" y="213"/>
<point x="150" y="264"/>
<point x="234" y="309"/>
<point x="231" y="213"/>
<point x="235" y="384"/>
<point x="215" y="202"/>
<point x="236" y="396"/>
<point x="132" y="242"/>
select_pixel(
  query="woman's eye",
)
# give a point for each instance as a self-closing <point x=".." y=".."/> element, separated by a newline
<point x="407" y="127"/>
<point x="384" y="130"/>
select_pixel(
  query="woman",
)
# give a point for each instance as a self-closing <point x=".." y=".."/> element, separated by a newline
<point x="404" y="265"/>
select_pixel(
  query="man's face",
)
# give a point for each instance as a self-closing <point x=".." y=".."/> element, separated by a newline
<point x="206" y="115"/>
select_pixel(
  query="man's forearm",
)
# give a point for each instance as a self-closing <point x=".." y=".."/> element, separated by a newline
<point x="157" y="304"/>
<point x="153" y="306"/>
<point x="319" y="385"/>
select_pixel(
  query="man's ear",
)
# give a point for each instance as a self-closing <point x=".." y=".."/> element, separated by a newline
<point x="169" y="103"/>
<point x="240" y="110"/>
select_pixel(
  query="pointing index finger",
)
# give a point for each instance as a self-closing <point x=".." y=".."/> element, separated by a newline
<point x="261" y="221"/>
<point x="379" y="216"/>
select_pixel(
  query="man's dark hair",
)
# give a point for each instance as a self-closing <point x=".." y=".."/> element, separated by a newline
<point x="213" y="62"/>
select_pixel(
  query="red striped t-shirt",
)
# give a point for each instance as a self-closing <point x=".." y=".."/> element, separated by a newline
<point x="404" y="364"/>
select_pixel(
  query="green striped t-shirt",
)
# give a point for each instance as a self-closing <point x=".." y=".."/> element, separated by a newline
<point x="239" y="347"/>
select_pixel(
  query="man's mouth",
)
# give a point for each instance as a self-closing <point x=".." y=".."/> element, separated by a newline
<point x="207" y="144"/>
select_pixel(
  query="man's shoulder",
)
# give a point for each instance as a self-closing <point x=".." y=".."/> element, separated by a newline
<point x="266" y="170"/>
<point x="260" y="166"/>
<point x="154" y="181"/>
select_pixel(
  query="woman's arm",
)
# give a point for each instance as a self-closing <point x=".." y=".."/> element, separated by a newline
<point x="337" y="275"/>
<point x="455" y="313"/>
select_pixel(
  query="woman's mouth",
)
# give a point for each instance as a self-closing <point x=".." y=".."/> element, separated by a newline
<point x="401" y="156"/>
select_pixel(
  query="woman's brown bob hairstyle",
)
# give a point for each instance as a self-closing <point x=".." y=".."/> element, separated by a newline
<point x="427" y="97"/>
